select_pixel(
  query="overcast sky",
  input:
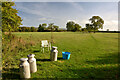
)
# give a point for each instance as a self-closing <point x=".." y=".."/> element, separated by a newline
<point x="59" y="13"/>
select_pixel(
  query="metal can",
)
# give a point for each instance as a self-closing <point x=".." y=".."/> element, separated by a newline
<point x="24" y="68"/>
<point x="53" y="54"/>
<point x="32" y="62"/>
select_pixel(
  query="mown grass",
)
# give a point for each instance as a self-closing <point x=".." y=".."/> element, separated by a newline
<point x="93" y="56"/>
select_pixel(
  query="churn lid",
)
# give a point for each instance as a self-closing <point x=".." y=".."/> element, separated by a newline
<point x="30" y="55"/>
<point x="54" y="47"/>
<point x="23" y="59"/>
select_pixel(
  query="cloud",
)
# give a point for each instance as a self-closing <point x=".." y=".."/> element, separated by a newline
<point x="41" y="19"/>
<point x="77" y="6"/>
<point x="115" y="22"/>
<point x="111" y="22"/>
<point x="34" y="8"/>
<point x="61" y="13"/>
<point x="45" y="19"/>
<point x="66" y="0"/>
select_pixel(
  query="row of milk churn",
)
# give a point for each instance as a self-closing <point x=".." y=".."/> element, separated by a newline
<point x="27" y="66"/>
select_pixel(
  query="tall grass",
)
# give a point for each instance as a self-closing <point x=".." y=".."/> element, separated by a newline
<point x="12" y="45"/>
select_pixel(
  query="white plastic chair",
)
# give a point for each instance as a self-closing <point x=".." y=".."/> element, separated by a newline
<point x="45" y="43"/>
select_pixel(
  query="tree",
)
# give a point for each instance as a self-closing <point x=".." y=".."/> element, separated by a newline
<point x="55" y="27"/>
<point x="40" y="28"/>
<point x="77" y="27"/>
<point x="70" y="26"/>
<point x="44" y="25"/>
<point x="50" y="26"/>
<point x="89" y="27"/>
<point x="10" y="20"/>
<point x="33" y="29"/>
<point x="28" y="29"/>
<point x="23" y="29"/>
<point x="97" y="22"/>
<point x="84" y="30"/>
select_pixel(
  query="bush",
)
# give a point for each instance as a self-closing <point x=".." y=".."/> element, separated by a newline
<point x="12" y="45"/>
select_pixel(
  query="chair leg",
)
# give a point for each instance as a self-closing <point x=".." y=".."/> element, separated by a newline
<point x="48" y="48"/>
<point x="41" y="49"/>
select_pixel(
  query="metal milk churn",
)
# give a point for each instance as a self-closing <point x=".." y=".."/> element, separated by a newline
<point x="32" y="62"/>
<point x="24" y="68"/>
<point x="53" y="54"/>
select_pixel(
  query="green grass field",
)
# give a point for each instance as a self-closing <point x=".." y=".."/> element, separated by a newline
<point x="93" y="56"/>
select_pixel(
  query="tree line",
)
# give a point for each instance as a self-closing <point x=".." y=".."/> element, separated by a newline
<point x="11" y="22"/>
<point x="42" y="28"/>
<point x="96" y="23"/>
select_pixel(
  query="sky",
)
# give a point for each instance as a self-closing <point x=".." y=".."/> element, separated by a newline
<point x="59" y="13"/>
<point x="66" y="0"/>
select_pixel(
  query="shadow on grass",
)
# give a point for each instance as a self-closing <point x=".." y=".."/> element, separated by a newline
<point x="35" y="51"/>
<point x="93" y="37"/>
<point x="103" y="72"/>
<point x="94" y="73"/>
<point x="106" y="59"/>
<point x="60" y="58"/>
<point x="43" y="60"/>
<point x="12" y="73"/>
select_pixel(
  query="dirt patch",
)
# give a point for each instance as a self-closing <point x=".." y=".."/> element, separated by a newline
<point x="61" y="61"/>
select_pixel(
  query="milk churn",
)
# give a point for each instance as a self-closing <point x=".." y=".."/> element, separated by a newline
<point x="24" y="68"/>
<point x="32" y="62"/>
<point x="53" y="54"/>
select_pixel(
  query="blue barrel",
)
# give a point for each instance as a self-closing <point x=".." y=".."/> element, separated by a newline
<point x="66" y="55"/>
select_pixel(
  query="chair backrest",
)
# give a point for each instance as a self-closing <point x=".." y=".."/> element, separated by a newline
<point x="44" y="43"/>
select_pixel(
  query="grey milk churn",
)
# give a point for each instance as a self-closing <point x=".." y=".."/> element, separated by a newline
<point x="32" y="62"/>
<point x="53" y="54"/>
<point x="24" y="68"/>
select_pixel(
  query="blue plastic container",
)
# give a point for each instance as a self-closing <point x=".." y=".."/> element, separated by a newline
<point x="66" y="55"/>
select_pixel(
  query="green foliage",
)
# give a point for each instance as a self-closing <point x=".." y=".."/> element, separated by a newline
<point x="33" y="29"/>
<point x="10" y="20"/>
<point x="41" y="28"/>
<point x="44" y="25"/>
<point x="23" y="29"/>
<point x="52" y="27"/>
<point x="77" y="27"/>
<point x="84" y="30"/>
<point x="97" y="22"/>
<point x="12" y="45"/>
<point x="89" y="27"/>
<point x="72" y="26"/>
<point x="27" y="29"/>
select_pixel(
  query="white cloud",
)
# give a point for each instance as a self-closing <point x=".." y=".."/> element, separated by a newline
<point x="111" y="22"/>
<point x="45" y="19"/>
<point x="115" y="22"/>
<point x="41" y="19"/>
<point x="35" y="10"/>
<point x="111" y="25"/>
